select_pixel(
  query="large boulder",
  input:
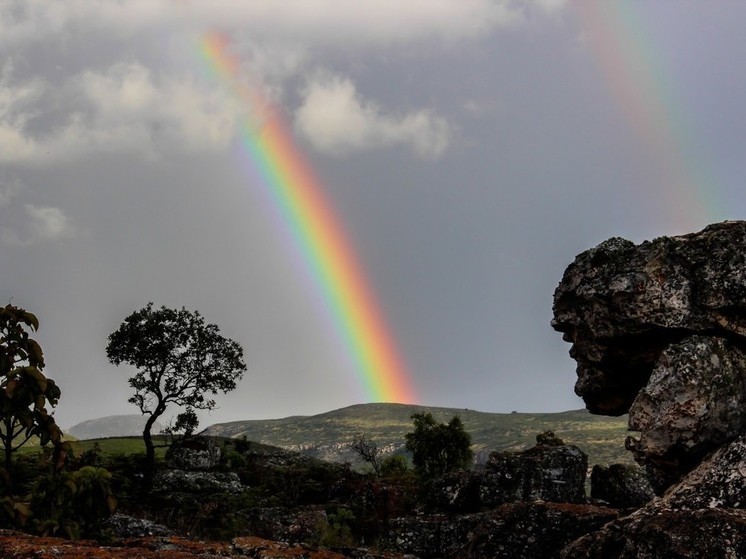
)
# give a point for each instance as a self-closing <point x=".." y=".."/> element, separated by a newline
<point x="547" y="472"/>
<point x="659" y="331"/>
<point x="694" y="401"/>
<point x="621" y="485"/>
<point x="525" y="530"/>
<point x="553" y="473"/>
<point x="622" y="304"/>
<point x="207" y="483"/>
<point x="701" y="516"/>
<point x="198" y="453"/>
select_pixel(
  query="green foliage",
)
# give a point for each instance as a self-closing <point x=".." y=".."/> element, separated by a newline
<point x="24" y="390"/>
<point x="395" y="466"/>
<point x="438" y="448"/>
<point x="180" y="360"/>
<point x="601" y="437"/>
<point x="73" y="504"/>
<point x="339" y="530"/>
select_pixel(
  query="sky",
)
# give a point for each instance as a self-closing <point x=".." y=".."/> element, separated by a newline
<point x="469" y="150"/>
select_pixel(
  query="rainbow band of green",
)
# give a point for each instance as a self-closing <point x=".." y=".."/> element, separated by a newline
<point x="318" y="236"/>
<point x="646" y="96"/>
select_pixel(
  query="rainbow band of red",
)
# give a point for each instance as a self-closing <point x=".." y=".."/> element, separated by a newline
<point x="318" y="235"/>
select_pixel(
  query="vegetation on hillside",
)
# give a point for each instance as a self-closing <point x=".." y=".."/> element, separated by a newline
<point x="329" y="435"/>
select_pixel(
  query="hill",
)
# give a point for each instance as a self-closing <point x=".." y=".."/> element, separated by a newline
<point x="111" y="426"/>
<point x="327" y="435"/>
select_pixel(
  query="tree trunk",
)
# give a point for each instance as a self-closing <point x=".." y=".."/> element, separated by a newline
<point x="147" y="437"/>
<point x="8" y="448"/>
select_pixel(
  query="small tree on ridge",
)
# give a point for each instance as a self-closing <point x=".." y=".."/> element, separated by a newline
<point x="180" y="361"/>
<point x="438" y="448"/>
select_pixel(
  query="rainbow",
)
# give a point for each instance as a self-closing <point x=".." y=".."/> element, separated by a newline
<point x="646" y="95"/>
<point x="316" y="232"/>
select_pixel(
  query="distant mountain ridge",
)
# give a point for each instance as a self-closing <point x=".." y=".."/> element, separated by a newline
<point x="327" y="435"/>
<point x="111" y="426"/>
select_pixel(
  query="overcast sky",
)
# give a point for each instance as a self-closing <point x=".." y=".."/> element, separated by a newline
<point x="470" y="147"/>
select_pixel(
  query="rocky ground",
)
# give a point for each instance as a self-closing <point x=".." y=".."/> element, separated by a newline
<point x="19" y="545"/>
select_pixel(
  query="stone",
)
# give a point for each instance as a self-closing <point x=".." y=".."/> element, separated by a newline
<point x="621" y="485"/>
<point x="125" y="526"/>
<point x="542" y="473"/>
<point x="22" y="546"/>
<point x="554" y="473"/>
<point x="680" y="534"/>
<point x="703" y="515"/>
<point x="718" y="482"/>
<point x="622" y="304"/>
<point x="694" y="401"/>
<point x="181" y="481"/>
<point x="197" y="453"/>
<point x="659" y="331"/>
<point x="525" y="530"/>
<point x="294" y="526"/>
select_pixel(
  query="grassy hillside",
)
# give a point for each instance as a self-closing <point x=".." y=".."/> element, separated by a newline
<point x="327" y="435"/>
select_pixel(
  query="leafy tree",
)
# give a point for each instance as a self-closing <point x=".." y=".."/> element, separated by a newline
<point x="180" y="360"/>
<point x="438" y="448"/>
<point x="24" y="390"/>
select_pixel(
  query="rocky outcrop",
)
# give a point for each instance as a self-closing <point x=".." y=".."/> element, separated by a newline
<point x="197" y="453"/>
<point x="525" y="530"/>
<point x="182" y="481"/>
<point x="125" y="526"/>
<point x="701" y="516"/>
<point x="277" y="523"/>
<point x="623" y="486"/>
<point x="659" y="331"/>
<point x="554" y="473"/>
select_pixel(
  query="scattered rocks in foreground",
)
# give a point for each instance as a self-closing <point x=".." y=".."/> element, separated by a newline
<point x="24" y="546"/>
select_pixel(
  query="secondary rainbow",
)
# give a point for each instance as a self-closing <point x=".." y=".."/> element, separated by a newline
<point x="316" y="231"/>
<point x="646" y="94"/>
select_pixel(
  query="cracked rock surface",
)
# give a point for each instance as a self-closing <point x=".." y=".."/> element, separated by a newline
<point x="659" y="331"/>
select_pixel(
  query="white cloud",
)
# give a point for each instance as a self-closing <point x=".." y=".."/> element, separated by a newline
<point x="35" y="224"/>
<point x="122" y="109"/>
<point x="336" y="121"/>
<point x="308" y="21"/>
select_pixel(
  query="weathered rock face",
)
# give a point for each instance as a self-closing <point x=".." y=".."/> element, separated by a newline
<point x="694" y="401"/>
<point x="682" y="534"/>
<point x="198" y="453"/>
<point x="553" y="473"/>
<point x="542" y="473"/>
<point x="124" y="526"/>
<point x="525" y="530"/>
<point x="622" y="304"/>
<point x="659" y="330"/>
<point x="621" y="485"/>
<point x="701" y="516"/>
<point x="181" y="481"/>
